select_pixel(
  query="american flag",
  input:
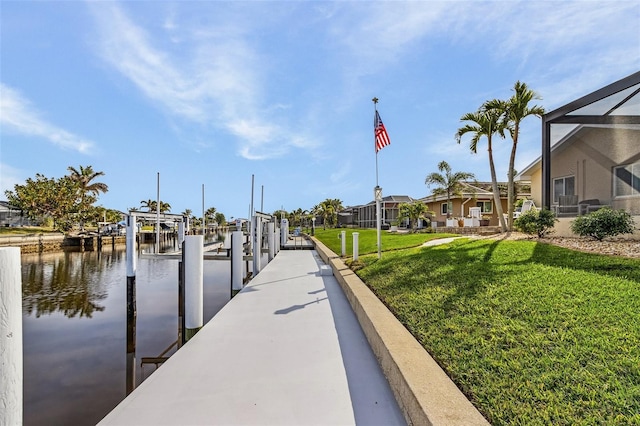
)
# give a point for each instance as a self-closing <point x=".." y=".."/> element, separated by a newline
<point x="382" y="138"/>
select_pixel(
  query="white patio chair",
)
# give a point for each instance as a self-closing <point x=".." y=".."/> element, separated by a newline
<point x="526" y="206"/>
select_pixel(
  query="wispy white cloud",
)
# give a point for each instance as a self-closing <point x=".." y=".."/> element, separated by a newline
<point x="549" y="40"/>
<point x="383" y="31"/>
<point x="215" y="80"/>
<point x="214" y="71"/>
<point x="18" y="114"/>
<point x="558" y="46"/>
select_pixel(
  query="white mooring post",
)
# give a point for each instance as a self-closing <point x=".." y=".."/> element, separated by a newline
<point x="284" y="232"/>
<point x="131" y="264"/>
<point x="182" y="227"/>
<point x="193" y="281"/>
<point x="236" y="260"/>
<point x="10" y="337"/>
<point x="271" y="239"/>
<point x="131" y="245"/>
<point x="277" y="238"/>
<point x="257" y="244"/>
<point x="356" y="235"/>
<point x="343" y="240"/>
<point x="131" y="303"/>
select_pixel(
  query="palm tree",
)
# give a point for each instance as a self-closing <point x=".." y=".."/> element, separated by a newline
<point x="449" y="183"/>
<point x="88" y="191"/>
<point x="210" y="214"/>
<point x="297" y="216"/>
<point x="326" y="210"/>
<point x="329" y="209"/>
<point x="220" y="219"/>
<point x="337" y="207"/>
<point x="280" y="214"/>
<point x="486" y="122"/>
<point x="84" y="176"/>
<point x="412" y="211"/>
<point x="513" y="111"/>
<point x="152" y="205"/>
<point x="149" y="204"/>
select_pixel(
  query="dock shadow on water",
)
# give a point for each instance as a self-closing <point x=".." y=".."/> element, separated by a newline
<point x="75" y="329"/>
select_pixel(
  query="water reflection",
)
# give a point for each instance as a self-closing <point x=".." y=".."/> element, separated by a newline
<point x="81" y="357"/>
<point x="70" y="283"/>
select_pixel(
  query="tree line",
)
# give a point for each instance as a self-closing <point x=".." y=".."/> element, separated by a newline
<point x="325" y="212"/>
<point x="63" y="202"/>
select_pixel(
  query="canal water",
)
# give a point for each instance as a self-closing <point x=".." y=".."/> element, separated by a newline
<point x="75" y="328"/>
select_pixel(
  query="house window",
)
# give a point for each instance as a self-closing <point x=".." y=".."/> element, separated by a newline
<point x="563" y="186"/>
<point x="485" y="206"/>
<point x="444" y="209"/>
<point x="626" y="180"/>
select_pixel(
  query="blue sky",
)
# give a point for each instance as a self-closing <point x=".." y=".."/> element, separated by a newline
<point x="210" y="93"/>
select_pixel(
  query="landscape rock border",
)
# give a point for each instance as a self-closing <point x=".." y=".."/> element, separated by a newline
<point x="620" y="246"/>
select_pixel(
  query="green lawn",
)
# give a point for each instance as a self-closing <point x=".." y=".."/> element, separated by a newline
<point x="532" y="333"/>
<point x="367" y="240"/>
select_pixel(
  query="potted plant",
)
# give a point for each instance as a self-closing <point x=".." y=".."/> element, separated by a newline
<point x="460" y="221"/>
<point x="394" y="226"/>
<point x="484" y="221"/>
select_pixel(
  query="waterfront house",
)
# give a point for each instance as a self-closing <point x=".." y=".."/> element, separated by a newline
<point x="364" y="216"/>
<point x="12" y="216"/>
<point x="473" y="194"/>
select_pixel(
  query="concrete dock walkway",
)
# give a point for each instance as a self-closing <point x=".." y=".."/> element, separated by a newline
<point x="287" y="350"/>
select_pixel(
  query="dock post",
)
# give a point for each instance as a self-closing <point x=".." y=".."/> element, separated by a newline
<point x="131" y="303"/>
<point x="284" y="232"/>
<point x="193" y="275"/>
<point x="10" y="336"/>
<point x="356" y="236"/>
<point x="343" y="242"/>
<point x="181" y="231"/>
<point x="257" y="244"/>
<point x="271" y="239"/>
<point x="236" y="261"/>
<point x="277" y="238"/>
<point x="181" y="340"/>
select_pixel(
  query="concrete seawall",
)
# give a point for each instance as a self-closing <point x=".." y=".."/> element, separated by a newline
<point x="40" y="243"/>
<point x="424" y="392"/>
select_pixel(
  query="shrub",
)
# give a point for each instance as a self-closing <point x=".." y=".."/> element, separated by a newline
<point x="603" y="223"/>
<point x="534" y="222"/>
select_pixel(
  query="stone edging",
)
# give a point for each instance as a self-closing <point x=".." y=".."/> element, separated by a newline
<point x="425" y="394"/>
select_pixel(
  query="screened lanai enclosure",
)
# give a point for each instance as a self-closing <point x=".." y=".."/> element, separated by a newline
<point x="591" y="151"/>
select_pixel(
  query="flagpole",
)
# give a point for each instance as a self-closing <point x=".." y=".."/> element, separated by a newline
<point x="375" y="110"/>
<point x="377" y="191"/>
